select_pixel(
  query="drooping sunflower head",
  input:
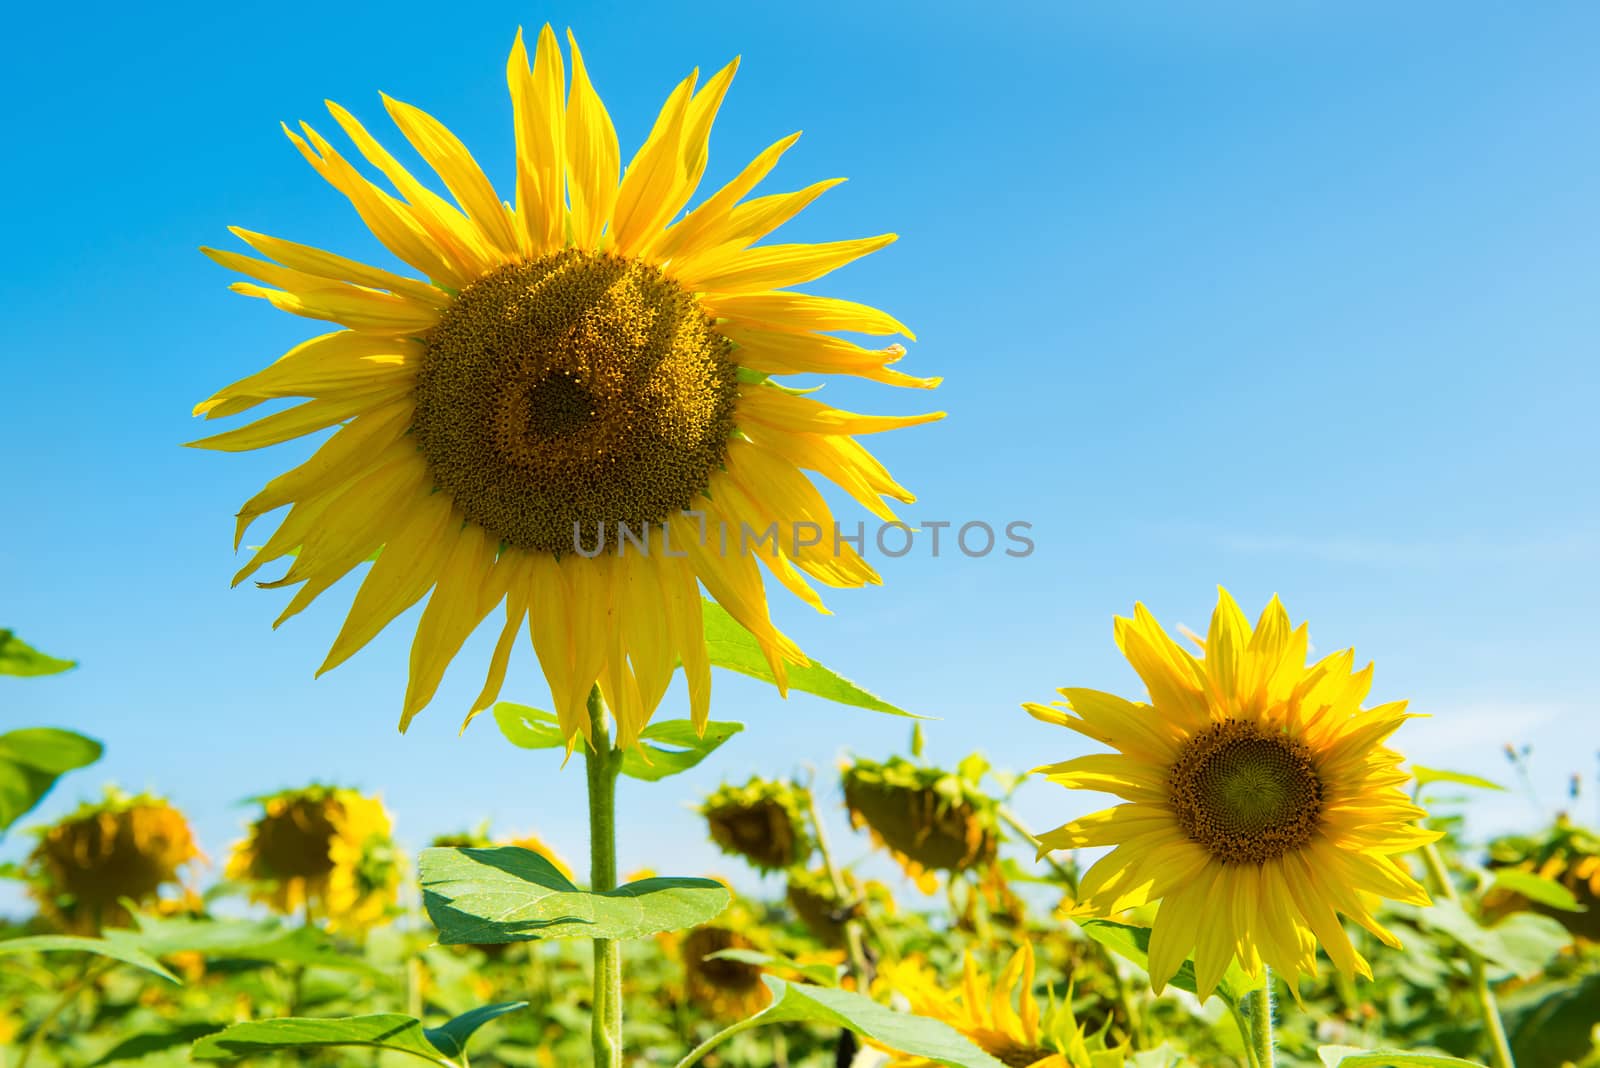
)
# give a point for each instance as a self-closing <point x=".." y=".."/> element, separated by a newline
<point x="929" y="818"/>
<point x="1260" y="800"/>
<point x="1003" y="1017"/>
<point x="119" y="847"/>
<point x="1565" y="853"/>
<point x="723" y="988"/>
<point x="563" y="404"/>
<point x="322" y="851"/>
<point x="762" y="821"/>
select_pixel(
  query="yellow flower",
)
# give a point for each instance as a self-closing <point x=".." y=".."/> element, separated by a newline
<point x="572" y="363"/>
<point x="722" y="989"/>
<point x="1261" y="802"/>
<point x="120" y="847"/>
<point x="324" y="852"/>
<point x="929" y="819"/>
<point x="1003" y="1019"/>
<point x="762" y="821"/>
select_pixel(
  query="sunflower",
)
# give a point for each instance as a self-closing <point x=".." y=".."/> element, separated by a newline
<point x="118" y="848"/>
<point x="575" y="368"/>
<point x="762" y="821"/>
<point x="721" y="988"/>
<point x="930" y="819"/>
<point x="324" y="852"/>
<point x="1261" y="801"/>
<point x="1004" y="1018"/>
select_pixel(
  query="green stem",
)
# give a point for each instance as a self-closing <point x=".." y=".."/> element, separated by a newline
<point x="602" y="763"/>
<point x="852" y="929"/>
<point x="1259" y="1012"/>
<point x="716" y="1040"/>
<point x="1499" y="1047"/>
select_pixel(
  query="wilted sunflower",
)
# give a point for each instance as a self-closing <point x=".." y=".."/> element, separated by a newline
<point x="762" y="821"/>
<point x="584" y="359"/>
<point x="929" y="818"/>
<point x="324" y="852"/>
<point x="1566" y="854"/>
<point x="1003" y="1019"/>
<point x="1261" y="802"/>
<point x="722" y="989"/>
<point x="116" y="848"/>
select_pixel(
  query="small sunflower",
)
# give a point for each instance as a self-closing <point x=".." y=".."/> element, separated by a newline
<point x="324" y="852"/>
<point x="1260" y="801"/>
<point x="1004" y="1018"/>
<point x="116" y="848"/>
<point x="930" y="819"/>
<point x="762" y="821"/>
<point x="722" y="989"/>
<point x="1567" y="854"/>
<point x="586" y="359"/>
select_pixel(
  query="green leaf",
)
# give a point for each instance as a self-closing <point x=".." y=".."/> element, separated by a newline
<point x="17" y="657"/>
<point x="389" y="1030"/>
<point x="510" y="894"/>
<point x="530" y="728"/>
<point x="149" y="1042"/>
<point x="31" y="760"/>
<point x="451" y="1038"/>
<point x="1424" y="776"/>
<point x="820" y="974"/>
<point x="1538" y="888"/>
<point x="1356" y="1057"/>
<point x="917" y="1036"/>
<point x="688" y="748"/>
<point x="1551" y="1022"/>
<point x="238" y="939"/>
<point x="733" y="648"/>
<point x="1523" y="942"/>
<point x="1134" y="944"/>
<point x="127" y="954"/>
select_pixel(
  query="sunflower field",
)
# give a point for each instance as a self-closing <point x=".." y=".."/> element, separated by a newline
<point x="578" y="410"/>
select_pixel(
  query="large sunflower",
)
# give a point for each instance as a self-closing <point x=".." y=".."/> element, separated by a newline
<point x="1261" y="801"/>
<point x="572" y="365"/>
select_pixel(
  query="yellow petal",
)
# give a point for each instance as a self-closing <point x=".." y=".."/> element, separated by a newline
<point x="772" y="266"/>
<point x="593" y="159"/>
<point x="539" y="119"/>
<point x="460" y="173"/>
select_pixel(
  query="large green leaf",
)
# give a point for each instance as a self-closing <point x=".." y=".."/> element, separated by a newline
<point x="732" y="647"/>
<point x="917" y="1036"/>
<point x="1424" y="776"/>
<point x="1134" y="944"/>
<point x="1552" y="1021"/>
<point x="510" y="894"/>
<point x="1538" y="888"/>
<point x="1523" y="942"/>
<point x="451" y="1038"/>
<point x="31" y="760"/>
<point x="686" y="748"/>
<point x="238" y="939"/>
<point x="17" y="657"/>
<point x="142" y="1045"/>
<point x="120" y="951"/>
<point x="1356" y="1057"/>
<point x="389" y="1031"/>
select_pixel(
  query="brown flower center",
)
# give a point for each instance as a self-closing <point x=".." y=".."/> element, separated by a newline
<point x="1248" y="795"/>
<point x="578" y="391"/>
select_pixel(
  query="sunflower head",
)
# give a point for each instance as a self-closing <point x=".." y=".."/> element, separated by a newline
<point x="119" y="847"/>
<point x="1002" y="1017"/>
<point x="722" y="988"/>
<point x="551" y="376"/>
<point x="1565" y="853"/>
<point x="1260" y="800"/>
<point x="762" y="821"/>
<point x="929" y="818"/>
<point x="322" y="851"/>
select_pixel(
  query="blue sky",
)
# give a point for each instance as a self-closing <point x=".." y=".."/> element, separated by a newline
<point x="1292" y="298"/>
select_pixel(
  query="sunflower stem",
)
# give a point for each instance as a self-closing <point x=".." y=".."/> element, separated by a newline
<point x="602" y="762"/>
<point x="1258" y="1011"/>
<point x="852" y="928"/>
<point x="1499" y="1047"/>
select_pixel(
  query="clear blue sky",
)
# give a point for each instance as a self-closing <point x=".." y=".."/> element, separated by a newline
<point x="1296" y="298"/>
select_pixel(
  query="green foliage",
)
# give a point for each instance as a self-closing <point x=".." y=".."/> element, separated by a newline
<point x="117" y="950"/>
<point x="1133" y="943"/>
<point x="1355" y="1057"/>
<point x="669" y="746"/>
<point x="1538" y="888"/>
<point x="17" y="657"/>
<point x="385" y="1031"/>
<point x="733" y="648"/>
<point x="1522" y="943"/>
<point x="1425" y="776"/>
<point x="508" y="894"/>
<point x="31" y="760"/>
